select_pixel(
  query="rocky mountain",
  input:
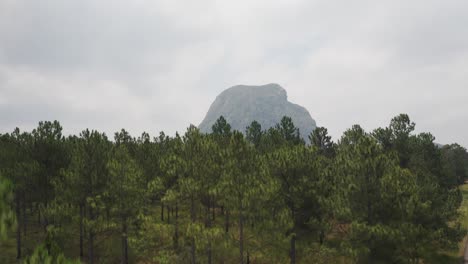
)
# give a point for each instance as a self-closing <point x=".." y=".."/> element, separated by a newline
<point x="267" y="104"/>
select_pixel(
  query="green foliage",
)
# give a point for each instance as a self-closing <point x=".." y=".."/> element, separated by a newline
<point x="51" y="156"/>
<point x="283" y="134"/>
<point x="305" y="191"/>
<point x="7" y="216"/>
<point x="455" y="164"/>
<point x="289" y="131"/>
<point x="320" y="139"/>
<point x="221" y="127"/>
<point x="245" y="183"/>
<point x="42" y="256"/>
<point x="254" y="133"/>
<point x="245" y="176"/>
<point x="125" y="184"/>
<point x="390" y="196"/>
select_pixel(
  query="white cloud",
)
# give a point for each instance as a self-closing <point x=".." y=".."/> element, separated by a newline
<point x="157" y="65"/>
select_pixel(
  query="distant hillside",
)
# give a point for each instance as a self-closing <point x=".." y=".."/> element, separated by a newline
<point x="266" y="104"/>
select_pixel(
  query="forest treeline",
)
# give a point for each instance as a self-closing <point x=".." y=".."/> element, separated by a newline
<point x="262" y="196"/>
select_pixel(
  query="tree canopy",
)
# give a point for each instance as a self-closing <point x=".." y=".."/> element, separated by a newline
<point x="262" y="196"/>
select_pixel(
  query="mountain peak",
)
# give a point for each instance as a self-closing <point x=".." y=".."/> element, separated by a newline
<point x="266" y="104"/>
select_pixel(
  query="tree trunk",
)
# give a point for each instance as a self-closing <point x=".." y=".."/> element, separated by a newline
<point x="176" y="235"/>
<point x="168" y="213"/>
<point x="292" y="252"/>
<point x="91" y="248"/>
<point x="192" y="250"/>
<point x="369" y="218"/>
<point x="91" y="240"/>
<point x="241" y="237"/>
<point x="124" y="242"/>
<point x="162" y="212"/>
<point x="209" y="253"/>
<point x="108" y="216"/>
<point x="213" y="206"/>
<point x="24" y="214"/>
<point x="38" y="214"/>
<point x="18" y="227"/>
<point x="226" y="221"/>
<point x="192" y="209"/>
<point x="81" y="230"/>
<point x="208" y="225"/>
<point x="46" y="219"/>
<point x="207" y="215"/>
<point x="192" y="215"/>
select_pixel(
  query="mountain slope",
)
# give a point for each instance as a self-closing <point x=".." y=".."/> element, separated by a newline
<point x="266" y="104"/>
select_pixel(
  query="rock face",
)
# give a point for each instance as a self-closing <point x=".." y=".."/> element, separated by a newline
<point x="266" y="104"/>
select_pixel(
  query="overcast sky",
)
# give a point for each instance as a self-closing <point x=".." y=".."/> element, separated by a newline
<point x="158" y="65"/>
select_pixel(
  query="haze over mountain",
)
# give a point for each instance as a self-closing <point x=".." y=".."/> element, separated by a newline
<point x="266" y="104"/>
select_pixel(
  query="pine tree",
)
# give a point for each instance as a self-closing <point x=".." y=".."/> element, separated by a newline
<point x="254" y="133"/>
<point x="387" y="196"/>
<point x="7" y="217"/>
<point x="387" y="204"/>
<point x="289" y="131"/>
<point x="455" y="162"/>
<point x="87" y="178"/>
<point x="304" y="190"/>
<point x="51" y="155"/>
<point x="245" y="183"/>
<point x="221" y="133"/>
<point x="173" y="168"/>
<point x="437" y="187"/>
<point x="190" y="183"/>
<point x="320" y="139"/>
<point x="221" y="127"/>
<point x="125" y="190"/>
<point x="20" y="168"/>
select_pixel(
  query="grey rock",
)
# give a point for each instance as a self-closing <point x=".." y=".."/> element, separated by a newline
<point x="267" y="104"/>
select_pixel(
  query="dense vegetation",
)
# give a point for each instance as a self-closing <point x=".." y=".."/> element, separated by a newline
<point x="386" y="196"/>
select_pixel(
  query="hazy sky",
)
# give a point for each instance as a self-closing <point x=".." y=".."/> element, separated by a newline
<point x="157" y="65"/>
